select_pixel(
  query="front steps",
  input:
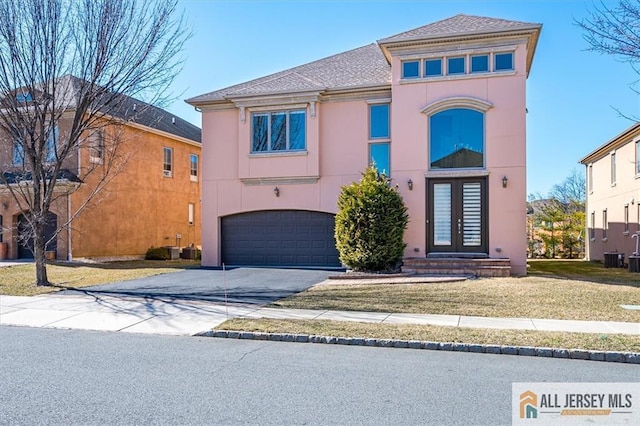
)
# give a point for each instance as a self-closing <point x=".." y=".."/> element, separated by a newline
<point x="458" y="266"/>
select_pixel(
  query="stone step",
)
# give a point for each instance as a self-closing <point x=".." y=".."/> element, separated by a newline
<point x="458" y="266"/>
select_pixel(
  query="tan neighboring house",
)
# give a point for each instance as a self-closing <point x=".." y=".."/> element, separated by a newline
<point x="154" y="200"/>
<point x="613" y="195"/>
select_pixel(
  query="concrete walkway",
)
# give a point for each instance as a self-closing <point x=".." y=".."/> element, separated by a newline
<point x="186" y="317"/>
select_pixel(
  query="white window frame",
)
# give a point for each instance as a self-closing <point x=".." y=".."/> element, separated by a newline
<point x="167" y="166"/>
<point x="194" y="172"/>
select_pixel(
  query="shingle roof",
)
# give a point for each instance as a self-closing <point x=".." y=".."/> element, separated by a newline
<point x="364" y="66"/>
<point x="15" y="177"/>
<point x="138" y="112"/>
<point x="459" y="25"/>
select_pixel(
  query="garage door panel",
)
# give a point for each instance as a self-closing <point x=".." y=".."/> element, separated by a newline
<point x="279" y="238"/>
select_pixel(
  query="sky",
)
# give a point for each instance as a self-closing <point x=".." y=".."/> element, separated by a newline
<point x="574" y="96"/>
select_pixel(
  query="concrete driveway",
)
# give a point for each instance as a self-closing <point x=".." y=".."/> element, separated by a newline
<point x="242" y="285"/>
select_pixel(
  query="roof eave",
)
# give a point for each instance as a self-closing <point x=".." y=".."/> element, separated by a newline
<point x="614" y="142"/>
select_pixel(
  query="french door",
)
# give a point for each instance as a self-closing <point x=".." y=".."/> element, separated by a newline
<point x="457" y="215"/>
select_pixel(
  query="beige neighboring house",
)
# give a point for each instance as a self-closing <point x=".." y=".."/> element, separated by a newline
<point x="613" y="195"/>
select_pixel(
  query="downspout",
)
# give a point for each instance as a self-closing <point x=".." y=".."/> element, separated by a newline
<point x="69" y="251"/>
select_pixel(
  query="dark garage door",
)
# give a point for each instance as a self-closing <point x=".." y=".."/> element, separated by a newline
<point x="279" y="238"/>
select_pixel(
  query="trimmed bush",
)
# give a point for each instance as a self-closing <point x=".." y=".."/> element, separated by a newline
<point x="370" y="224"/>
<point x="157" y="253"/>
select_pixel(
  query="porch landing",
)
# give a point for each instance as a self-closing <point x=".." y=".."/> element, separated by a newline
<point x="484" y="267"/>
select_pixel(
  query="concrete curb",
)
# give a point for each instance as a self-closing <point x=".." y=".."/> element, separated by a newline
<point x="606" y="356"/>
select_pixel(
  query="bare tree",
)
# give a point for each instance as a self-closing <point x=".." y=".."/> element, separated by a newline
<point x="80" y="62"/>
<point x="615" y="30"/>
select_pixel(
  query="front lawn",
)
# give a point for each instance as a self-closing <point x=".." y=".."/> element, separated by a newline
<point x="595" y="293"/>
<point x="19" y="280"/>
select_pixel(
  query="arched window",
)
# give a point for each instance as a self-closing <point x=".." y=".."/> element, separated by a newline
<point x="456" y="139"/>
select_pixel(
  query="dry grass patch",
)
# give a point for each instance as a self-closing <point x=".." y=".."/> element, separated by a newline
<point x="611" y="342"/>
<point x="528" y="297"/>
<point x="19" y="280"/>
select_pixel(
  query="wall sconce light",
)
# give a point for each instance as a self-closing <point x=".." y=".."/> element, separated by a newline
<point x="504" y="181"/>
<point x="276" y="191"/>
<point x="410" y="183"/>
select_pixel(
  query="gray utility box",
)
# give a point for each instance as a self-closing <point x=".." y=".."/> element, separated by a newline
<point x="189" y="253"/>
<point x="174" y="252"/>
<point x="614" y="260"/>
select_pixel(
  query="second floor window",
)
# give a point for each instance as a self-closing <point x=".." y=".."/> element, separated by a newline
<point x="167" y="163"/>
<point x="278" y="131"/>
<point x="613" y="168"/>
<point x="638" y="158"/>
<point x="52" y="146"/>
<point x="592" y="230"/>
<point x="18" y="154"/>
<point x="193" y="167"/>
<point x="96" y="147"/>
<point x="590" y="178"/>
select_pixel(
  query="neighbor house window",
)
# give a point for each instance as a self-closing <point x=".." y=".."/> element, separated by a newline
<point x="167" y="162"/>
<point x="626" y="218"/>
<point x="590" y="177"/>
<point x="480" y="63"/>
<point x="433" y="67"/>
<point x="456" y="139"/>
<point x="193" y="167"/>
<point x="410" y="69"/>
<point x="279" y="131"/>
<point x="96" y="147"/>
<point x="455" y="65"/>
<point x="592" y="230"/>
<point x="379" y="121"/>
<point x="18" y="154"/>
<point x="192" y="213"/>
<point x="503" y="61"/>
<point x="613" y="168"/>
<point x="52" y="146"/>
<point x="605" y="223"/>
<point x="24" y="97"/>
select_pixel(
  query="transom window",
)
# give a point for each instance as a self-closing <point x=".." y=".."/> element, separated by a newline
<point x="456" y="65"/>
<point x="279" y="131"/>
<point x="480" y="63"/>
<point x="456" y="139"/>
<point x="410" y="69"/>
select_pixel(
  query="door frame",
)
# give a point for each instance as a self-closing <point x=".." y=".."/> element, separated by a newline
<point x="456" y="196"/>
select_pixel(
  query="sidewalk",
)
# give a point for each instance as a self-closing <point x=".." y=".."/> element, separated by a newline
<point x="184" y="317"/>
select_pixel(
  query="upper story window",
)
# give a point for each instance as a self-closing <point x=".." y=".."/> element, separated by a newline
<point x="191" y="212"/>
<point x="278" y="131"/>
<point x="456" y="139"/>
<point x="605" y="223"/>
<point x="503" y="61"/>
<point x="167" y="162"/>
<point x="18" y="153"/>
<point x="456" y="65"/>
<point x="613" y="168"/>
<point x="410" y="69"/>
<point x="590" y="178"/>
<point x="51" y="146"/>
<point x="592" y="229"/>
<point x="379" y="121"/>
<point x="193" y="167"/>
<point x="96" y="147"/>
<point x="479" y="63"/>
<point x="24" y="97"/>
<point x="433" y="67"/>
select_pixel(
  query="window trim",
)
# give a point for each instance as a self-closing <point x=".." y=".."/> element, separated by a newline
<point x="268" y="113"/>
<point x="167" y="167"/>
<point x="410" y="61"/>
<point x="194" y="176"/>
<point x="613" y="167"/>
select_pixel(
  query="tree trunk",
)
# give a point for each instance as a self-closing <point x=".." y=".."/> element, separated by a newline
<point x="39" y="256"/>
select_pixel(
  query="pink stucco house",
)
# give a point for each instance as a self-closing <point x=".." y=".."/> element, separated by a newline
<point x="441" y="109"/>
<point x="613" y="196"/>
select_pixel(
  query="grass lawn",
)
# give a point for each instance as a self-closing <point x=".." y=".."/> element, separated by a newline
<point x="19" y="280"/>
<point x="600" y="342"/>
<point x="573" y="290"/>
